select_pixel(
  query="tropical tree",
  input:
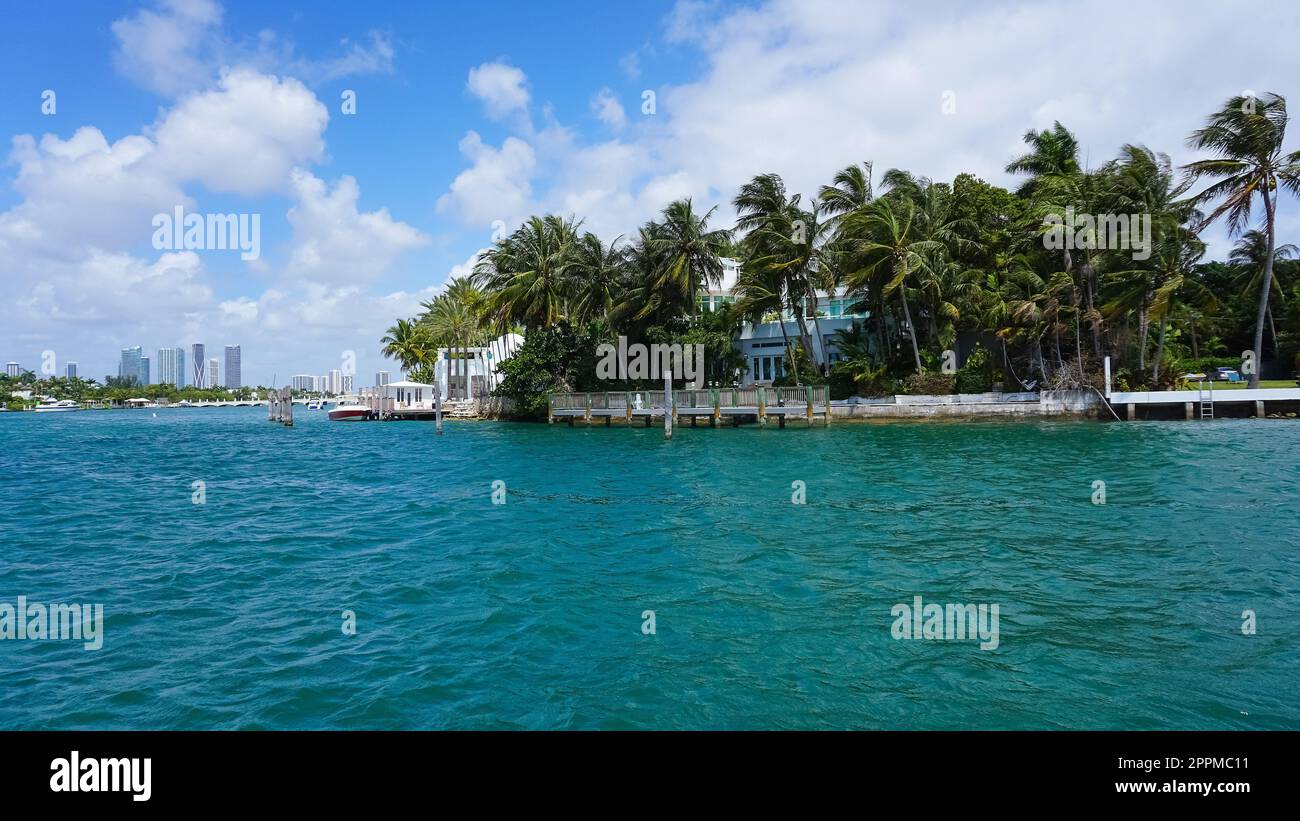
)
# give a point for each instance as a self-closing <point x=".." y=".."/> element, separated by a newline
<point x="1246" y="135"/>
<point x="688" y="253"/>
<point x="526" y="276"/>
<point x="1249" y="253"/>
<point x="409" y="343"/>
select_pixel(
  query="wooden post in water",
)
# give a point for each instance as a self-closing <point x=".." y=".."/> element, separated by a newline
<point x="667" y="404"/>
<point x="550" y="407"/>
<point x="762" y="406"/>
<point x="287" y="401"/>
<point x="437" y="410"/>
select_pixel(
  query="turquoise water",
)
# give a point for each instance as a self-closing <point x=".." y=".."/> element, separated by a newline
<point x="767" y="614"/>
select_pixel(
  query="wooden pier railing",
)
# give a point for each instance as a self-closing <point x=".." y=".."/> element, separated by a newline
<point x="760" y="402"/>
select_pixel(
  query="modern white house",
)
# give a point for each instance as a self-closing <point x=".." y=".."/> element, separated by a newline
<point x="763" y="344"/>
<point x="477" y="367"/>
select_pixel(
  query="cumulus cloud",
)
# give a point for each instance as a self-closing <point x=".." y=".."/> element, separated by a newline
<point x="496" y="186"/>
<point x="334" y="241"/>
<point x="245" y="136"/>
<point x="168" y="48"/>
<point x="608" y="109"/>
<point x="501" y="88"/>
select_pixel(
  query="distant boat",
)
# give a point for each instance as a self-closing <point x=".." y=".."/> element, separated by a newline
<point x="50" y="406"/>
<point x="349" y="413"/>
<point x="316" y="404"/>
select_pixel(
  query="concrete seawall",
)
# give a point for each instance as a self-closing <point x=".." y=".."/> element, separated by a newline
<point x="1076" y="404"/>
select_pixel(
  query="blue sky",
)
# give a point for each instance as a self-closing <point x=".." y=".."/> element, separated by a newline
<point x="470" y="114"/>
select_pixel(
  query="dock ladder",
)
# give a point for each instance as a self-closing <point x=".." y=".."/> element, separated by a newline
<point x="1207" y="400"/>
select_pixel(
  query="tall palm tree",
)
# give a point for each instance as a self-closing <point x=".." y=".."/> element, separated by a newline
<point x="409" y="343"/>
<point x="790" y="242"/>
<point x="453" y="322"/>
<point x="849" y="191"/>
<point x="883" y="235"/>
<point x="1249" y="252"/>
<point x="599" y="274"/>
<point x="1054" y="153"/>
<point x="526" y="276"/>
<point x="1247" y="136"/>
<point x="688" y="251"/>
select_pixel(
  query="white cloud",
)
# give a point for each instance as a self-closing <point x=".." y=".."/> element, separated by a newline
<point x="334" y="242"/>
<point x="179" y="46"/>
<point x="164" y="49"/>
<point x="608" y="109"/>
<point x="501" y="87"/>
<point x="496" y="186"/>
<point x="245" y="136"/>
<point x="805" y="87"/>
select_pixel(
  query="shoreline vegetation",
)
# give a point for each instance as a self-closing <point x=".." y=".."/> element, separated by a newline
<point x="1033" y="302"/>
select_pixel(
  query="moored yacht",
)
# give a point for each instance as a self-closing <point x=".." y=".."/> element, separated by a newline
<point x="48" y="405"/>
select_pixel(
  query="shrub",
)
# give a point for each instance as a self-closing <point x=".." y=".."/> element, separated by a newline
<point x="976" y="373"/>
<point x="929" y="383"/>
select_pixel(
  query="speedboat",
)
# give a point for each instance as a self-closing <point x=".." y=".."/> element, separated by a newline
<point x="316" y="404"/>
<point x="349" y="412"/>
<point x="50" y="406"/>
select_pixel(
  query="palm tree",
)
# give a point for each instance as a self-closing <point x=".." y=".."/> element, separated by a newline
<point x="849" y="191"/>
<point x="790" y="242"/>
<point x="1249" y="252"/>
<point x="453" y="322"/>
<point x="883" y="235"/>
<point x="1247" y="135"/>
<point x="526" y="276"/>
<point x="688" y="252"/>
<point x="408" y="342"/>
<point x="599" y="274"/>
<point x="1054" y="154"/>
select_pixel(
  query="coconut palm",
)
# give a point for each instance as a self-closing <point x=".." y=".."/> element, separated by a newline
<point x="526" y="276"/>
<point x="1249" y="252"/>
<point x="1246" y="135"/>
<point x="409" y="343"/>
<point x="688" y="252"/>
<point x="882" y="235"/>
<point x="599" y="274"/>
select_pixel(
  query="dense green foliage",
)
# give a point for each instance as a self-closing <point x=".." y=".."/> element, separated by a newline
<point x="936" y="266"/>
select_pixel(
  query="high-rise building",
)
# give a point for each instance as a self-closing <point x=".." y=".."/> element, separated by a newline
<point x="144" y="371"/>
<point x="382" y="378"/>
<point x="71" y="370"/>
<point x="214" y="373"/>
<point x="198" y="361"/>
<point x="128" y="367"/>
<point x="234" y="378"/>
<point x="347" y="383"/>
<point x="171" y="366"/>
<point x="11" y="369"/>
<point x="336" y="381"/>
<point x="305" y="383"/>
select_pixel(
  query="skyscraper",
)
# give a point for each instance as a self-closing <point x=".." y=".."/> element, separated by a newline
<point x="382" y="378"/>
<point x="234" y="378"/>
<point x="171" y="366"/>
<point x="11" y="369"/>
<point x="304" y="383"/>
<point x="214" y="373"/>
<point x="129" y="365"/>
<point x="347" y="383"/>
<point x="144" y="371"/>
<point x="72" y="370"/>
<point x="335" y="381"/>
<point x="198" y="359"/>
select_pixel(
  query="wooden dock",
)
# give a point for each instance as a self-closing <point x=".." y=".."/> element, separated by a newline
<point x="735" y="405"/>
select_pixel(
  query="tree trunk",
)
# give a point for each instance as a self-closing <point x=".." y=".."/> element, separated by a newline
<point x="1144" y="322"/>
<point x="794" y="361"/>
<point x="1270" y="208"/>
<point x="1196" y="354"/>
<point x="1160" y="351"/>
<point x="1090" y="273"/>
<point x="1272" y="330"/>
<point x="911" y="328"/>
